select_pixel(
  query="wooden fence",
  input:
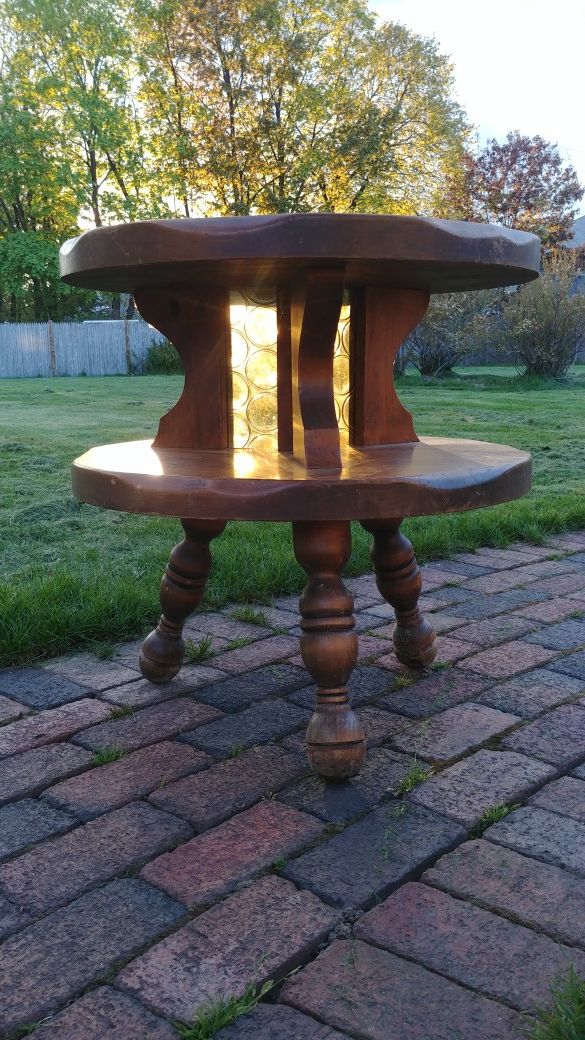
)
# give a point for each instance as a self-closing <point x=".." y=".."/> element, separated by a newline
<point x="91" y="348"/>
<point x="103" y="348"/>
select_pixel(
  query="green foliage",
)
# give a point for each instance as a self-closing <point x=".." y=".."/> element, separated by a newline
<point x="79" y="61"/>
<point x="24" y="1031"/>
<point x="162" y="360"/>
<point x="416" y="775"/>
<point x="492" y="815"/>
<point x="121" y="712"/>
<point x="103" y="650"/>
<point x="175" y="107"/>
<point x="281" y="105"/>
<point x="222" y="1013"/>
<point x="401" y="682"/>
<point x="250" y="616"/>
<point x="200" y="651"/>
<point x="39" y="204"/>
<point x="237" y="644"/>
<point x="106" y="755"/>
<point x="564" y="1019"/>
<point x="542" y="324"/>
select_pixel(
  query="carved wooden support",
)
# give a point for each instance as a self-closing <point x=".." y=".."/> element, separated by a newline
<point x="399" y="581"/>
<point x="181" y="590"/>
<point x="381" y="319"/>
<point x="197" y="321"/>
<point x="329" y="647"/>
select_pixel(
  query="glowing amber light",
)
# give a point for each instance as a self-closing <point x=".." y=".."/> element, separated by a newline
<point x="254" y="401"/>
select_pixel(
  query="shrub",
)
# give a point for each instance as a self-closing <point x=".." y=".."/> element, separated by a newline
<point x="451" y="328"/>
<point x="162" y="360"/>
<point x="543" y="323"/>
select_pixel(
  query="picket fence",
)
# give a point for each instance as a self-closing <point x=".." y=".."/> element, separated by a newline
<point x="91" y="348"/>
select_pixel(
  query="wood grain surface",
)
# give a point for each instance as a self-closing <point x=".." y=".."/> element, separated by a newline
<point x="263" y="252"/>
<point x="434" y="475"/>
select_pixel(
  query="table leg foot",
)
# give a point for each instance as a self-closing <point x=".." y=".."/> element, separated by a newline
<point x="399" y="581"/>
<point x="329" y="647"/>
<point x="181" y="590"/>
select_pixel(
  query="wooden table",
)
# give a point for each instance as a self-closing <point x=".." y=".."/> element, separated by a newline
<point x="181" y="273"/>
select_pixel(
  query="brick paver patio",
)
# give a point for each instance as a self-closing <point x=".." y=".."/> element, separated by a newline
<point x="161" y="848"/>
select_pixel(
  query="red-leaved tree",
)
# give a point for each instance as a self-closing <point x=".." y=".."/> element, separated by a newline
<point x="522" y="183"/>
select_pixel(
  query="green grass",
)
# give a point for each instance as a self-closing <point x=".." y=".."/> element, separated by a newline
<point x="197" y="652"/>
<point x="122" y="711"/>
<point x="564" y="1019"/>
<point x="237" y="644"/>
<point x="416" y="775"/>
<point x="106" y="755"/>
<point x="492" y="815"/>
<point x="222" y="1013"/>
<point x="251" y="616"/>
<point x="72" y="575"/>
<point x="402" y="681"/>
<point x="104" y="651"/>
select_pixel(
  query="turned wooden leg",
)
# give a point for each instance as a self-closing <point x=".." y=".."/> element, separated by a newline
<point x="329" y="647"/>
<point x="181" y="590"/>
<point x="399" y="580"/>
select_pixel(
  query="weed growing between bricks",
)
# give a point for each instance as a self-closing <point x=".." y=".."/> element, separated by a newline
<point x="493" y="815"/>
<point x="121" y="712"/>
<point x="106" y="755"/>
<point x="416" y="775"/>
<point x="251" y="616"/>
<point x="222" y="1013"/>
<point x="564" y="1019"/>
<point x="200" y="651"/>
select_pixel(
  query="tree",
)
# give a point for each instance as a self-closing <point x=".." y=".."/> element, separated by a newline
<point x="522" y="183"/>
<point x="294" y="105"/>
<point x="31" y="289"/>
<point x="542" y="322"/>
<point x="39" y="203"/>
<point x="80" y="63"/>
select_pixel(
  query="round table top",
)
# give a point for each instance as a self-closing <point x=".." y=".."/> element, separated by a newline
<point x="434" y="475"/>
<point x="262" y="252"/>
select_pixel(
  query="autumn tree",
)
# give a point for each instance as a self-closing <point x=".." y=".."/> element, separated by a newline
<point x="522" y="183"/>
<point x="281" y="105"/>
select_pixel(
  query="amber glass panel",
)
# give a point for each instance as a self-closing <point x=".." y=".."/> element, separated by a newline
<point x="253" y="328"/>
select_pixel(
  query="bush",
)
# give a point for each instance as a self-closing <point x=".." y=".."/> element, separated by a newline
<point x="162" y="360"/>
<point x="451" y="328"/>
<point x="544" y="324"/>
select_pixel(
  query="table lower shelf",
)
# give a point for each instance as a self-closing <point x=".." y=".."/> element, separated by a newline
<point x="434" y="475"/>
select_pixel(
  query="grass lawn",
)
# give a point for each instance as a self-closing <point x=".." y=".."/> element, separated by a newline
<point x="70" y="573"/>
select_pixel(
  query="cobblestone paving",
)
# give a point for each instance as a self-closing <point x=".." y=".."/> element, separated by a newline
<point x="164" y="847"/>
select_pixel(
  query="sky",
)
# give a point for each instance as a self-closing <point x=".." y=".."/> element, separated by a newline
<point x="518" y="64"/>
